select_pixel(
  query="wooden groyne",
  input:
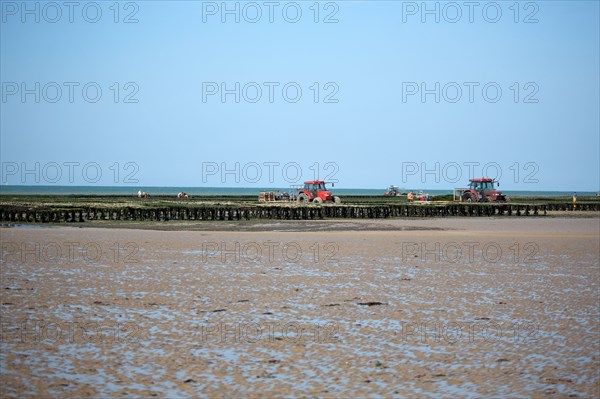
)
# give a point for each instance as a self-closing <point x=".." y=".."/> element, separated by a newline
<point x="17" y="214"/>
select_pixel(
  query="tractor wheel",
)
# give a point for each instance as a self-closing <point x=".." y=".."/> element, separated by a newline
<point x="302" y="198"/>
<point x="484" y="199"/>
<point x="318" y="200"/>
<point x="337" y="200"/>
<point x="468" y="197"/>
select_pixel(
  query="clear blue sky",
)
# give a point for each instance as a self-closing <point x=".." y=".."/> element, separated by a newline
<point x="374" y="57"/>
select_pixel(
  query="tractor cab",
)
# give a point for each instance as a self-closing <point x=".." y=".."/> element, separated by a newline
<point x="481" y="185"/>
<point x="316" y="187"/>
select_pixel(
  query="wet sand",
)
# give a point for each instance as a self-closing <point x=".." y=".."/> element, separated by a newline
<point x="376" y="308"/>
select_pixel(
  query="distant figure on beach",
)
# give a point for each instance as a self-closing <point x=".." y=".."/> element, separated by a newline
<point x="140" y="194"/>
<point x="427" y="198"/>
<point x="410" y="197"/>
<point x="182" y="195"/>
<point x="574" y="199"/>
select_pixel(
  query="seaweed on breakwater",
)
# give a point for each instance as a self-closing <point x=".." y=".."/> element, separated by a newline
<point x="77" y="214"/>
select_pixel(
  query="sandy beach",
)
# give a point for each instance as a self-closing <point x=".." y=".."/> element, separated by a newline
<point x="375" y="308"/>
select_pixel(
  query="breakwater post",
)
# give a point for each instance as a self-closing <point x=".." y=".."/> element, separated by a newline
<point x="17" y="214"/>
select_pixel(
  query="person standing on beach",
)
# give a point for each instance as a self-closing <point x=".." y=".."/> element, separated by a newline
<point x="574" y="199"/>
<point x="410" y="196"/>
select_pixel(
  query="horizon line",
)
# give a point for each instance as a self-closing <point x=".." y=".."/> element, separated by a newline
<point x="265" y="187"/>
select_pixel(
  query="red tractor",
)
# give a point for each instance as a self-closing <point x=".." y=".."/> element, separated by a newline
<point x="315" y="191"/>
<point x="482" y="190"/>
